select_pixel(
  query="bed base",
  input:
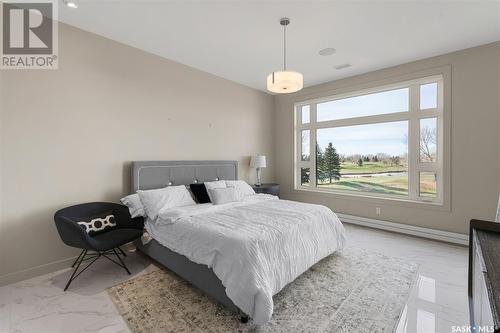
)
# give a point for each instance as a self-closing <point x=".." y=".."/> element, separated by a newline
<point x="198" y="275"/>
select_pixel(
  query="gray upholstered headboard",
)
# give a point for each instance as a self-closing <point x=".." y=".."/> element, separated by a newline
<point x="148" y="175"/>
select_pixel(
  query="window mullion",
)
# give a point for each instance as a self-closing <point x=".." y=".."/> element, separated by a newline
<point x="440" y="142"/>
<point x="429" y="166"/>
<point x="312" y="143"/>
<point x="374" y="119"/>
<point x="298" y="146"/>
<point x="430" y="113"/>
<point x="413" y="143"/>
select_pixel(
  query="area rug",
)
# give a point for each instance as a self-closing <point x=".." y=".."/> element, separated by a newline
<point x="352" y="291"/>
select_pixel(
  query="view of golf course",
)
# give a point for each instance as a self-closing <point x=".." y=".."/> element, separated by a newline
<point x="374" y="173"/>
<point x="371" y="177"/>
<point x="377" y="177"/>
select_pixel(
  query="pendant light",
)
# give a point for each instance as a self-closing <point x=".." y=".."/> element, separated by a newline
<point x="285" y="82"/>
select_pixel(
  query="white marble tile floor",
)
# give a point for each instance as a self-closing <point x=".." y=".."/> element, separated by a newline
<point x="437" y="302"/>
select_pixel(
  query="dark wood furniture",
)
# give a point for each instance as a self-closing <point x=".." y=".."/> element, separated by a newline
<point x="270" y="188"/>
<point x="484" y="275"/>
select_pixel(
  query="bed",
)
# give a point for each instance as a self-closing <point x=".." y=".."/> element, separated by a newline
<point x="185" y="255"/>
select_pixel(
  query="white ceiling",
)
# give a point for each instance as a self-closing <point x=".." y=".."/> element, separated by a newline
<point x="242" y="40"/>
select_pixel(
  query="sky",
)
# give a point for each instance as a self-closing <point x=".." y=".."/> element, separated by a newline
<point x="366" y="105"/>
<point x="389" y="138"/>
<point x="386" y="138"/>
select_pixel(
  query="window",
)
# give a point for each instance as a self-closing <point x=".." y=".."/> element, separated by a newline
<point x="391" y="101"/>
<point x="382" y="142"/>
<point x="305" y="114"/>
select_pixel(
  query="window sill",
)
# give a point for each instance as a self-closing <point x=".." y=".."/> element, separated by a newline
<point x="375" y="199"/>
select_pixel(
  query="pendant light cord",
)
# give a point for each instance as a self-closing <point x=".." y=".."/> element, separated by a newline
<point x="284" y="47"/>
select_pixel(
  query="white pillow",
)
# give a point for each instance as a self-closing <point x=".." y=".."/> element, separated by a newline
<point x="213" y="185"/>
<point x="224" y="195"/>
<point x="168" y="197"/>
<point x="134" y="204"/>
<point x="241" y="186"/>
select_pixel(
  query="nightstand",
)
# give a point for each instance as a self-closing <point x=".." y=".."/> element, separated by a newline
<point x="270" y="188"/>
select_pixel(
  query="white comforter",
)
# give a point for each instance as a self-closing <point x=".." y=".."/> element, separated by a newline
<point x="254" y="247"/>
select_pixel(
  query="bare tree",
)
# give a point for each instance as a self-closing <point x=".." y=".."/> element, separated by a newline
<point x="428" y="141"/>
<point x="305" y="138"/>
<point x="395" y="160"/>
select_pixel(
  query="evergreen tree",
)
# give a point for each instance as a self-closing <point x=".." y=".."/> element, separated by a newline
<point x="331" y="163"/>
<point x="360" y="162"/>
<point x="304" y="176"/>
<point x="320" y="165"/>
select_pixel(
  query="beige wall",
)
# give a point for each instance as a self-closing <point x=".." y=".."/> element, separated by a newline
<point x="68" y="135"/>
<point x="475" y="150"/>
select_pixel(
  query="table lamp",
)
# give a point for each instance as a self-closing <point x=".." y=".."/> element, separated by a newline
<point x="258" y="162"/>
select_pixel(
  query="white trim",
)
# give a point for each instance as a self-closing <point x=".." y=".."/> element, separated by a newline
<point x="413" y="144"/>
<point x="31" y="272"/>
<point x="376" y="88"/>
<point x="313" y="122"/>
<point x="412" y="116"/>
<point x="399" y="201"/>
<point x="446" y="236"/>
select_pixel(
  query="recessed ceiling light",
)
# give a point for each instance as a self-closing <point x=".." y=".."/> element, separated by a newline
<point x="326" y="52"/>
<point x="71" y="4"/>
<point x="342" y="66"/>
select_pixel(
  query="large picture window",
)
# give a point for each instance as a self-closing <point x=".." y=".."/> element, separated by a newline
<point x="383" y="142"/>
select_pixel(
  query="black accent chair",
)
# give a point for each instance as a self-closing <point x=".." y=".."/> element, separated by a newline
<point x="104" y="244"/>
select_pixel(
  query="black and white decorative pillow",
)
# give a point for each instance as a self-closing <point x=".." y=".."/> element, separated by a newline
<point x="98" y="224"/>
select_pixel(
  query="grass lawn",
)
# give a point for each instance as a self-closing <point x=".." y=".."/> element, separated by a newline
<point x="397" y="185"/>
<point x="427" y="185"/>
<point x="369" y="167"/>
<point x="384" y="184"/>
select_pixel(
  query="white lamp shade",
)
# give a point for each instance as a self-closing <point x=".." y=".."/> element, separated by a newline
<point x="258" y="161"/>
<point x="284" y="82"/>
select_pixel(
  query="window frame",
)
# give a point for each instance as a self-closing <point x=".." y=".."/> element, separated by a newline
<point x="413" y="116"/>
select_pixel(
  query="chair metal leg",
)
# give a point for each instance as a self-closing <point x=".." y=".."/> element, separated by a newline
<point x="94" y="256"/>
<point x="73" y="276"/>
<point x="78" y="258"/>
<point x="76" y="268"/>
<point x="122" y="251"/>
<point x="121" y="261"/>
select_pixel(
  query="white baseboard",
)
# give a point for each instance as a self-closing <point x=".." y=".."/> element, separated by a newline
<point x="445" y="236"/>
<point x="50" y="267"/>
<point x="36" y="271"/>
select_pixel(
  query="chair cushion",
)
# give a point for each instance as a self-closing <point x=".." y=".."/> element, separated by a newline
<point x="114" y="238"/>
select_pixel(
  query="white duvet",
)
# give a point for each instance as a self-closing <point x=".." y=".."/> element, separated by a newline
<point x="255" y="247"/>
